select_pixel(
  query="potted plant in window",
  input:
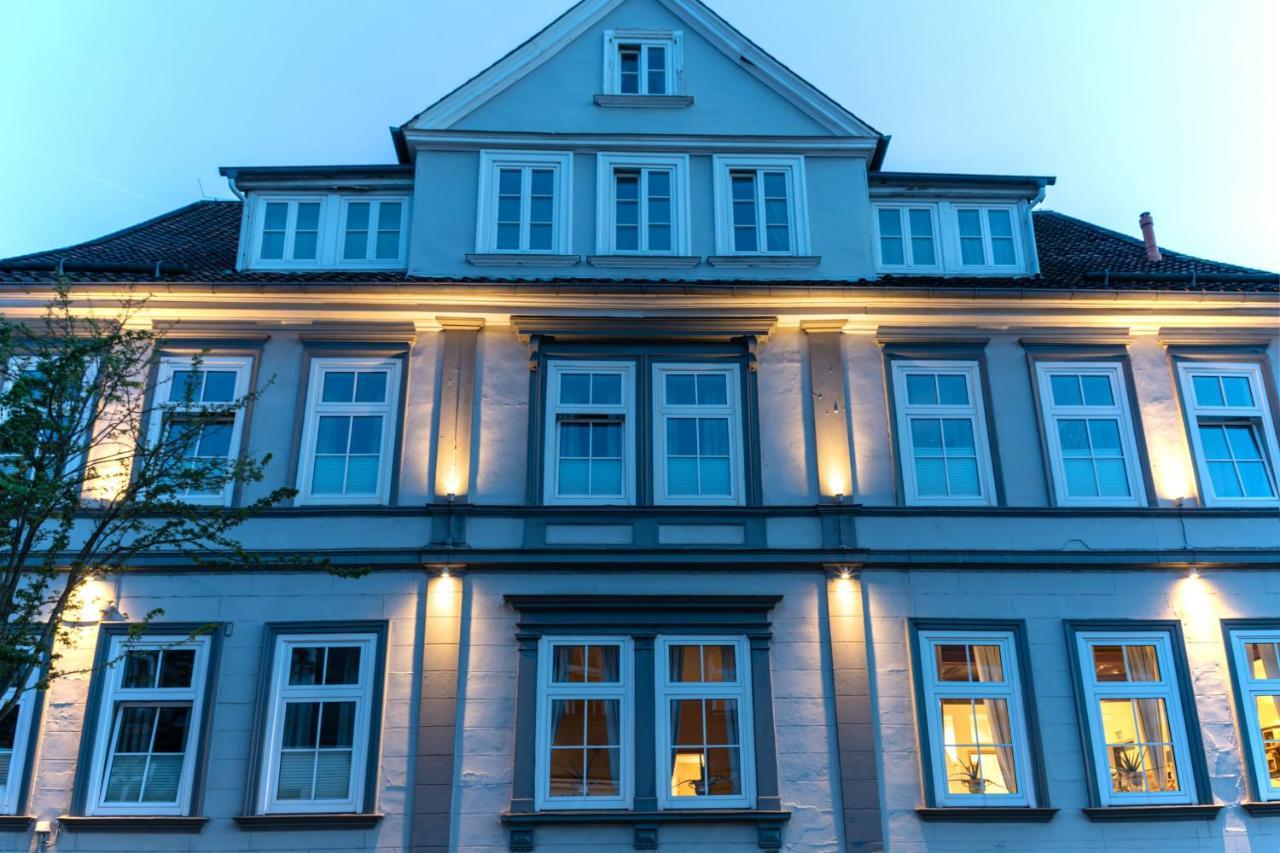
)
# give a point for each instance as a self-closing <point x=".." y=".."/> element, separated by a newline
<point x="1127" y="769"/>
<point x="970" y="775"/>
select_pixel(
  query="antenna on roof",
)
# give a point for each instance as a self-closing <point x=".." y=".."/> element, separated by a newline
<point x="203" y="192"/>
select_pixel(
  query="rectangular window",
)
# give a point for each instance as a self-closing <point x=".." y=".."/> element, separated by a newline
<point x="349" y="431"/>
<point x="290" y="231"/>
<point x="16" y="368"/>
<point x="761" y="207"/>
<point x="319" y="722"/>
<point x="524" y="203"/>
<point x="1089" y="432"/>
<point x="194" y="407"/>
<point x="987" y="237"/>
<point x="1135" y="719"/>
<point x="1255" y="656"/>
<point x="642" y="62"/>
<point x="590" y="432"/>
<point x="1232" y="435"/>
<point x="704" y="723"/>
<point x="974" y="717"/>
<point x="584" y="723"/>
<point x="907" y="236"/>
<point x="15" y="734"/>
<point x="942" y="433"/>
<point x="698" y="434"/>
<point x="643" y="204"/>
<point x="371" y="231"/>
<point x="148" y="725"/>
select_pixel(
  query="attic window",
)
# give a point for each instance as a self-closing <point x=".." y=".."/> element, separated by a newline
<point x="643" y="63"/>
<point x="326" y="231"/>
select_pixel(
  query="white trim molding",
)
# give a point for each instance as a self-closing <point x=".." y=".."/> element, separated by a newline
<point x="590" y="416"/>
<point x="797" y="224"/>
<point x="677" y="167"/>
<point x="488" y="206"/>
<point x="672" y="43"/>
<point x="1254" y="655"/>
<point x="326" y="241"/>
<point x="701" y="407"/>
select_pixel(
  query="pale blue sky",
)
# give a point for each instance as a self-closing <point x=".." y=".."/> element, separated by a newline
<point x="116" y="111"/>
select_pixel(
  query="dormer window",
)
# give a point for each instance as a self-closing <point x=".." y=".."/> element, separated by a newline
<point x="643" y="62"/>
<point x="986" y="237"/>
<point x="326" y="231"/>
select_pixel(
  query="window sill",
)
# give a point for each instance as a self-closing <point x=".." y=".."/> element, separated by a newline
<point x="990" y="814"/>
<point x="522" y="259"/>
<point x="1134" y="813"/>
<point x="645" y="261"/>
<point x="1262" y="809"/>
<point x="305" y="820"/>
<point x="131" y="823"/>
<point x="15" y="823"/>
<point x="768" y="824"/>
<point x="645" y="102"/>
<point x="766" y="261"/>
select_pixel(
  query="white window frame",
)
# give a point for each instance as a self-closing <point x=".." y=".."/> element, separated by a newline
<point x="315" y="409"/>
<point x="11" y="791"/>
<point x="280" y="691"/>
<point x="113" y="693"/>
<point x="161" y="409"/>
<point x="731" y="410"/>
<point x="1010" y="690"/>
<point x="988" y="265"/>
<point x="1251" y="687"/>
<point x="1258" y="416"/>
<point x="330" y="235"/>
<point x="1167" y="689"/>
<point x="975" y="411"/>
<point x="375" y="202"/>
<point x="666" y="690"/>
<point x="672" y="40"/>
<point x="908" y="252"/>
<point x="623" y="691"/>
<point x="794" y="167"/>
<point x="8" y="372"/>
<point x="561" y="162"/>
<point x="606" y="201"/>
<point x="1119" y="410"/>
<point x="626" y="410"/>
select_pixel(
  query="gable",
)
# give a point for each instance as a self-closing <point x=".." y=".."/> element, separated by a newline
<point x="548" y="84"/>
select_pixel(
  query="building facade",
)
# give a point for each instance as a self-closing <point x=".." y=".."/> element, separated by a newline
<point x="719" y="488"/>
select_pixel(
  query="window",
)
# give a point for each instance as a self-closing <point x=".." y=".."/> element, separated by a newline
<point x="1089" y="432"/>
<point x="591" y="433"/>
<point x="195" y="407"/>
<point x="987" y="237"/>
<point x="698" y="434"/>
<point x="643" y="62"/>
<point x="1232" y="435"/>
<point x="1136" y="725"/>
<point x="942" y="433"/>
<point x="704" y="722"/>
<point x="349" y="431"/>
<point x="761" y="206"/>
<point x="319" y="723"/>
<point x="371" y="231"/>
<point x="524" y="202"/>
<point x="325" y="231"/>
<point x="584" y="729"/>
<point x="907" y="236"/>
<point x="1255" y="656"/>
<point x="18" y="366"/>
<point x="643" y="204"/>
<point x="975" y="724"/>
<point x="148" y="726"/>
<point x="15" y="735"/>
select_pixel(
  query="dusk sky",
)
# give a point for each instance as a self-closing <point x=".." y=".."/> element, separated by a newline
<point x="117" y="111"/>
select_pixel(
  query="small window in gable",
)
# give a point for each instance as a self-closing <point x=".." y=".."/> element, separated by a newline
<point x="326" y="231"/>
<point x="643" y="62"/>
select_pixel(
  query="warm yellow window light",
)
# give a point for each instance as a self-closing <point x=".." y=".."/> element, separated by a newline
<point x="687" y="773"/>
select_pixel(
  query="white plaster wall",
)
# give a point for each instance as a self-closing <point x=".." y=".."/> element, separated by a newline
<point x="500" y="433"/>
<point x="787" y="459"/>
<point x="803" y="710"/>
<point x="247" y="602"/>
<point x="1045" y="600"/>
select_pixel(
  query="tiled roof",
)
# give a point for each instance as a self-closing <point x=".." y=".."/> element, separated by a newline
<point x="198" y="243"/>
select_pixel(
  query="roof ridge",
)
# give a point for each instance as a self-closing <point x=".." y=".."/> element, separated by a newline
<point x="131" y="229"/>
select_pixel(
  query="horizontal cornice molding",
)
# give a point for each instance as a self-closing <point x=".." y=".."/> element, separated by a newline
<point x="667" y="328"/>
<point x="470" y="140"/>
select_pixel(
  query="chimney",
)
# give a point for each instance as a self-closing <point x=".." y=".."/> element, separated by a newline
<point x="1149" y="236"/>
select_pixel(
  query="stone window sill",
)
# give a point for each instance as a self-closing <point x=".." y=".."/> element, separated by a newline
<point x="15" y="822"/>
<point x="307" y="821"/>
<point x="645" y="102"/>
<point x="522" y="259"/>
<point x="768" y="824"/>
<point x="131" y="823"/>
<point x="1135" y="813"/>
<point x="1262" y="809"/>
<point x="645" y="261"/>
<point x="765" y="261"/>
<point x="996" y="814"/>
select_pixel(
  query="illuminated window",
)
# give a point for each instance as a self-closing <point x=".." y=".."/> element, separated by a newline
<point x="584" y="723"/>
<point x="1137" y="729"/>
<point x="1090" y="433"/>
<point x="1255" y="654"/>
<point x="704" y="723"/>
<point x="1231" y="432"/>
<point x="976" y="725"/>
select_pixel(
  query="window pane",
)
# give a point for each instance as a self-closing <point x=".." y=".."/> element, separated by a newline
<point x="337" y="724"/>
<point x="713" y="389"/>
<point x="606" y="478"/>
<point x="922" y="389"/>
<point x="140" y="668"/>
<point x="569" y="664"/>
<point x="308" y="216"/>
<point x="952" y="661"/>
<point x="362" y="475"/>
<point x="681" y="389"/>
<point x="332" y="433"/>
<point x="575" y="440"/>
<point x="722" y="721"/>
<point x="574" y="477"/>
<point x="686" y="663"/>
<point x="342" y="665"/>
<point x="277" y="215"/>
<point x="1002" y="252"/>
<point x="1263" y="661"/>
<point x="272" y="245"/>
<point x="1066" y="390"/>
<point x="542" y="182"/>
<point x="719" y="663"/>
<point x="962" y="478"/>
<point x="1213" y="439"/>
<point x="1207" y="390"/>
<point x="713" y="436"/>
<point x="715" y="478"/>
<point x="304" y="246"/>
<point x="744" y="239"/>
<point x="1253" y="477"/>
<point x="682" y="436"/>
<point x="682" y="476"/>
<point x="603" y="772"/>
<point x="176" y="668"/>
<point x="355" y="244"/>
<point x="219" y="386"/>
<point x="891" y="252"/>
<point x="1097" y="390"/>
<point x="1238" y="391"/>
<point x="333" y="774"/>
<point x="371" y="387"/>
<point x="931" y="477"/>
<point x="1143" y="665"/>
<point x="366" y="434"/>
<point x="779" y="238"/>
<point x="305" y="664"/>
<point x="957" y="436"/>
<point x="686" y="722"/>
<point x="1243" y="442"/>
<point x="724" y="776"/>
<point x="1000" y="223"/>
<point x="922" y="253"/>
<point x="926" y="436"/>
<point x="1108" y="663"/>
<point x="953" y="390"/>
<point x="1104" y="436"/>
<point x="890" y="222"/>
<point x="1073" y="435"/>
<point x="575" y="388"/>
<point x="540" y="237"/>
<point x="602" y="663"/>
<point x="508" y="237"/>
<point x="1113" y="480"/>
<point x="657" y="70"/>
<point x="339" y="386"/>
<point x="1225" y="482"/>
